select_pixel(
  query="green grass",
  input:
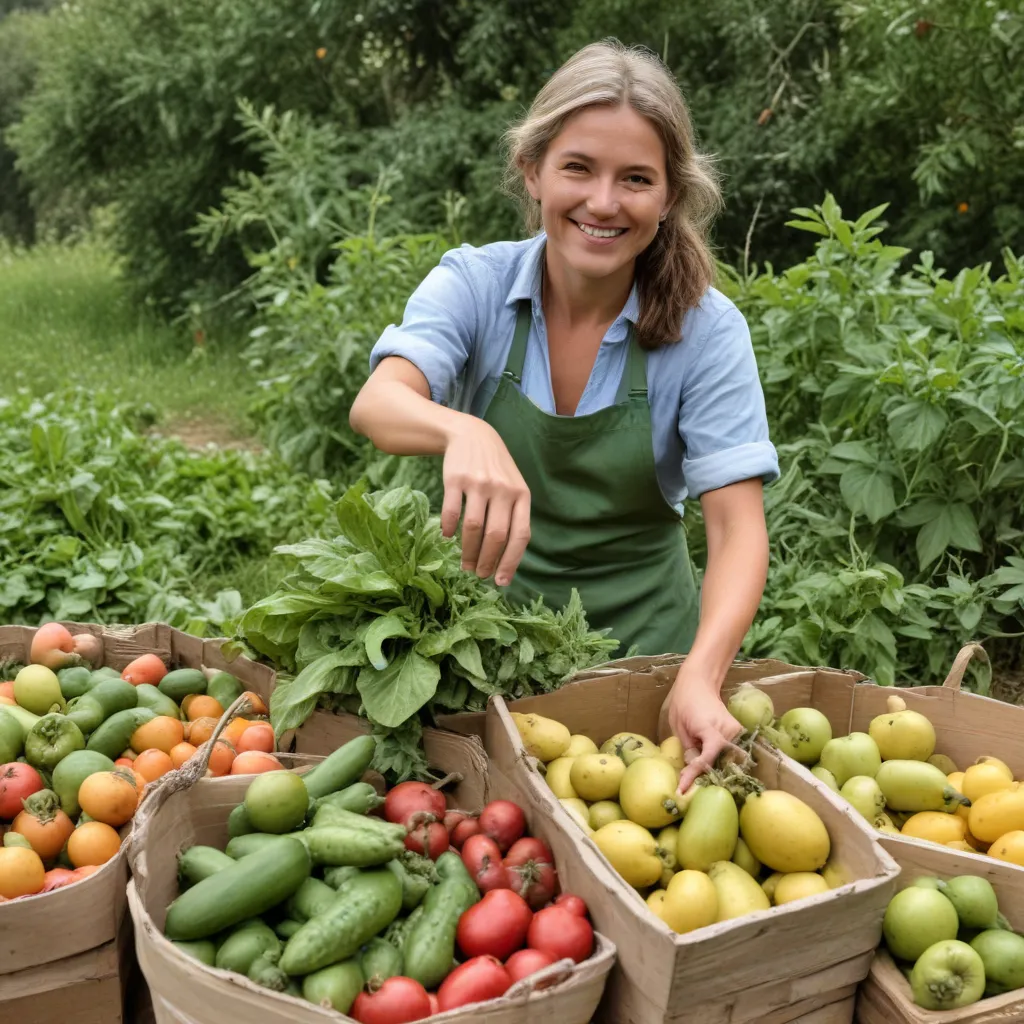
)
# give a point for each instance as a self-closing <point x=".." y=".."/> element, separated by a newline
<point x="65" y="318"/>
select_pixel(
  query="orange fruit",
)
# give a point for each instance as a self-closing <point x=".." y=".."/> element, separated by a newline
<point x="259" y="736"/>
<point x="161" y="733"/>
<point x="201" y="706"/>
<point x="21" y="872"/>
<point x="221" y="758"/>
<point x="110" y="797"/>
<point x="180" y="753"/>
<point x="152" y="763"/>
<point x="234" y="730"/>
<point x="93" y="843"/>
<point x="259" y="706"/>
<point x="254" y="762"/>
<point x="200" y="731"/>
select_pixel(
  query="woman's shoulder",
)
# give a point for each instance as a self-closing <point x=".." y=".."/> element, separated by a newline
<point x="715" y="312"/>
<point x="498" y="262"/>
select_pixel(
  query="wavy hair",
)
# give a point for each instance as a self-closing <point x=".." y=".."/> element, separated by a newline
<point x="676" y="269"/>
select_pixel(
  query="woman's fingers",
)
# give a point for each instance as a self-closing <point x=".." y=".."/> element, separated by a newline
<point x="518" y="538"/>
<point x="473" y="528"/>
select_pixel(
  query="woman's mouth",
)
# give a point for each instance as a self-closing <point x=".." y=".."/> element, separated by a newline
<point x="602" y="234"/>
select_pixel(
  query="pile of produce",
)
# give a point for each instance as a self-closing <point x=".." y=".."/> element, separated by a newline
<point x="387" y="909"/>
<point x="79" y="745"/>
<point x="726" y="848"/>
<point x="952" y="943"/>
<point x="892" y="775"/>
<point x="383" y="622"/>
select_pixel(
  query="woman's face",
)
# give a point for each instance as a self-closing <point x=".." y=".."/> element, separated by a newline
<point x="602" y="188"/>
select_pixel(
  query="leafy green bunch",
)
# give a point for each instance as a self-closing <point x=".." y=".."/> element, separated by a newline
<point x="382" y="621"/>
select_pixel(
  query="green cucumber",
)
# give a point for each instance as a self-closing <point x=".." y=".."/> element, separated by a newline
<point x="245" y="945"/>
<point x="341" y="768"/>
<point x="337" y="877"/>
<point x="287" y="928"/>
<point x="251" y="842"/>
<point x="359" y="798"/>
<point x="115" y="734"/>
<point x="367" y="904"/>
<point x="181" y="682"/>
<point x="199" y="862"/>
<point x="337" y="985"/>
<point x="12" y="739"/>
<point x="75" y="681"/>
<point x="451" y="868"/>
<point x="202" y="950"/>
<point x="105" y="672"/>
<point x="151" y="697"/>
<point x="224" y="688"/>
<point x="329" y="816"/>
<point x="429" y="946"/>
<point x="239" y="823"/>
<point x="379" y="961"/>
<point x="311" y="898"/>
<point x="249" y="887"/>
<point x="340" y="845"/>
<point x="24" y="718"/>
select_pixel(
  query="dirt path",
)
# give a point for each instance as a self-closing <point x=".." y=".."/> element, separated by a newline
<point x="201" y="431"/>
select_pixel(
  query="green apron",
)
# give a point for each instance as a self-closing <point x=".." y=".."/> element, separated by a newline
<point x="598" y="519"/>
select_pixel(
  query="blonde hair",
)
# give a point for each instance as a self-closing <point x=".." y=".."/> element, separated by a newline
<point x="676" y="269"/>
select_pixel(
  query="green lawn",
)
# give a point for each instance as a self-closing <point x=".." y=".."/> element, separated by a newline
<point x="65" y="318"/>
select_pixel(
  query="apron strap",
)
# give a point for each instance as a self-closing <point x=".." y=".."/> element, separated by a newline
<point x="517" y="353"/>
<point x="633" y="383"/>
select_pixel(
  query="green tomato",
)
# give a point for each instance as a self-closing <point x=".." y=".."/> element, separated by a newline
<point x="916" y="919"/>
<point x="948" y="975"/>
<point x="50" y="740"/>
<point x="1002" y="953"/>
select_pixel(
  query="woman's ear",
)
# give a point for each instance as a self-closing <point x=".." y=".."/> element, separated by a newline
<point x="531" y="177"/>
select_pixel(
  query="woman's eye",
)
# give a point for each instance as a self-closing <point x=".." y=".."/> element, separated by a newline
<point x="638" y="179"/>
<point x="575" y="167"/>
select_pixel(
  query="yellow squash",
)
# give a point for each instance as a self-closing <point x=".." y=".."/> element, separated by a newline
<point x="691" y="902"/>
<point x="578" y="812"/>
<point x="798" y="885"/>
<point x="936" y="827"/>
<point x="997" y="813"/>
<point x="783" y="833"/>
<point x="710" y="829"/>
<point x="1009" y="848"/>
<point x="557" y="778"/>
<point x="745" y="859"/>
<point x="603" y="812"/>
<point x="647" y="792"/>
<point x="579" y="744"/>
<point x="738" y="893"/>
<point x="544" y="738"/>
<point x="902" y="735"/>
<point x="916" y="786"/>
<point x="672" y="750"/>
<point x="981" y="779"/>
<point x="596" y="776"/>
<point x="628" y="746"/>
<point x="632" y="851"/>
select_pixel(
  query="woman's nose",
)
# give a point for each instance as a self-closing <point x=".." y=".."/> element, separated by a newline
<point x="602" y="202"/>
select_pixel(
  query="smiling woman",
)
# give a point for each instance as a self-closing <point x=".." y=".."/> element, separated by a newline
<point x="582" y="383"/>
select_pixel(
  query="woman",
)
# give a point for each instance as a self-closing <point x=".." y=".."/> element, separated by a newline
<point x="582" y="383"/>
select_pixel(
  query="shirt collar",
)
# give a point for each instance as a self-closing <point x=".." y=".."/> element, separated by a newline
<point x="526" y="284"/>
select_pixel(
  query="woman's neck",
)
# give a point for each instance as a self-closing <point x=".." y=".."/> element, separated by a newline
<point x="578" y="301"/>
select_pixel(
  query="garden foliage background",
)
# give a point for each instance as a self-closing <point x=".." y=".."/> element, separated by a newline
<point x="272" y="179"/>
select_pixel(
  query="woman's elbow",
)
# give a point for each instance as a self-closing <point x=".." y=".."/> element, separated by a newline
<point x="359" y="411"/>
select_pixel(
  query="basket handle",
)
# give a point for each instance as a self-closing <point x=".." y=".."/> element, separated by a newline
<point x="553" y="974"/>
<point x="180" y="779"/>
<point x="960" y="663"/>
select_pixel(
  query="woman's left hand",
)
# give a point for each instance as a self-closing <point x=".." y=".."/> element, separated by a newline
<point x="703" y="724"/>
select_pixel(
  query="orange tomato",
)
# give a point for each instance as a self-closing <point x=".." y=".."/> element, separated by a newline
<point x="180" y="753"/>
<point x="21" y="872"/>
<point x="259" y="736"/>
<point x="160" y="733"/>
<point x="47" y="837"/>
<point x="254" y="762"/>
<point x="201" y="706"/>
<point x="153" y="763"/>
<point x="93" y="843"/>
<point x="110" y="797"/>
<point x="7" y="689"/>
<point x="200" y="731"/>
<point x="125" y="762"/>
<point x="234" y="729"/>
<point x="148" y="668"/>
<point x="259" y="706"/>
<point x="221" y="758"/>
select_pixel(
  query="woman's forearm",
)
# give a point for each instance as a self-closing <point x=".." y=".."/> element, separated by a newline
<point x="734" y="580"/>
<point x="394" y="410"/>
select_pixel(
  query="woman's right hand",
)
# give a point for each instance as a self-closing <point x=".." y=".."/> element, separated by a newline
<point x="496" y="521"/>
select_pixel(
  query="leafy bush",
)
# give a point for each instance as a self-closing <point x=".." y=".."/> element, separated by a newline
<point x="897" y="402"/>
<point x="101" y="522"/>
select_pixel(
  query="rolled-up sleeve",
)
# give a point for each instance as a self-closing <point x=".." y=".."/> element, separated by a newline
<point x="722" y="420"/>
<point x="438" y="328"/>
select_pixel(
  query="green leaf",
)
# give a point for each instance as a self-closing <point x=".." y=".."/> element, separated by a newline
<point x="291" y="703"/>
<point x="954" y="525"/>
<point x="915" y="426"/>
<point x="400" y="690"/>
<point x="382" y="629"/>
<point x="867" y="490"/>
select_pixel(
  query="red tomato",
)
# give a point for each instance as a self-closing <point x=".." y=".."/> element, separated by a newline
<point x="429" y="839"/>
<point x="526" y="962"/>
<point x="556" y="931"/>
<point x="434" y="1008"/>
<point x="465" y="828"/>
<point x="482" y="858"/>
<point x="535" y="881"/>
<point x="503" y="821"/>
<point x="526" y="849"/>
<point x="496" y="926"/>
<point x="574" y="904"/>
<point x="397" y="1001"/>
<point x="409" y="798"/>
<point x="17" y="781"/>
<point x="452" y="818"/>
<point x="475" y="981"/>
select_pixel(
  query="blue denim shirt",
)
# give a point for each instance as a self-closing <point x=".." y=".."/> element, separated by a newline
<point x="707" y="407"/>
